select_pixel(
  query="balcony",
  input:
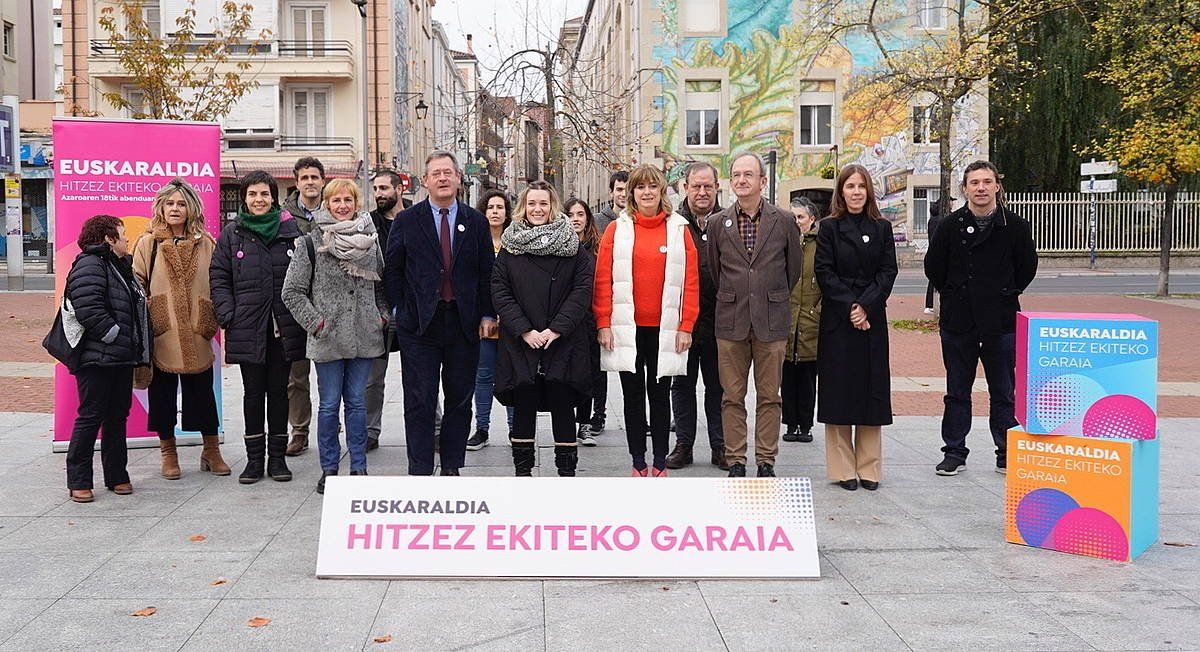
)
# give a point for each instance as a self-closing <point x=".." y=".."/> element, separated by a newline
<point x="285" y="59"/>
<point x="316" y="143"/>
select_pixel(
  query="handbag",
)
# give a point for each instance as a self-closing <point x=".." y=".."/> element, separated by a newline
<point x="143" y="375"/>
<point x="62" y="342"/>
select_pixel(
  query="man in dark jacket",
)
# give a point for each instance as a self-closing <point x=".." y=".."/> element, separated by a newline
<point x="700" y="188"/>
<point x="438" y="279"/>
<point x="617" y="191"/>
<point x="935" y="219"/>
<point x="303" y="203"/>
<point x="980" y="260"/>
<point x="386" y="186"/>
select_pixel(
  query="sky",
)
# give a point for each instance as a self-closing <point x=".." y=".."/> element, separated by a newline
<point x="501" y="27"/>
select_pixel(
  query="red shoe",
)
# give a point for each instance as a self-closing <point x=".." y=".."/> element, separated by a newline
<point x="643" y="472"/>
<point x="657" y="473"/>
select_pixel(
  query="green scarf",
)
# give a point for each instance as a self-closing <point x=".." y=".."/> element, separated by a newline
<point x="265" y="225"/>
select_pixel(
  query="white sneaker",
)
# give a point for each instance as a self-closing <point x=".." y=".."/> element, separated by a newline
<point x="929" y="311"/>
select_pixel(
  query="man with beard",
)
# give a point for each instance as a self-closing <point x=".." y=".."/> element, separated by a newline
<point x="386" y="186"/>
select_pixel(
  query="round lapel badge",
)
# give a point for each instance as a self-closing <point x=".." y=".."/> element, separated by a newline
<point x="545" y="240"/>
<point x="704" y="237"/>
<point x="241" y="254"/>
<point x="291" y="252"/>
<point x="728" y="223"/>
<point x="662" y="249"/>
<point x="970" y="229"/>
<point x="866" y="238"/>
<point x="461" y="228"/>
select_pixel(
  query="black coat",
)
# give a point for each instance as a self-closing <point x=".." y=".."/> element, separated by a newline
<point x="981" y="274"/>
<point x="413" y="269"/>
<point x="853" y="365"/>
<point x="246" y="278"/>
<point x="706" y="321"/>
<point x="536" y="293"/>
<point x="105" y="293"/>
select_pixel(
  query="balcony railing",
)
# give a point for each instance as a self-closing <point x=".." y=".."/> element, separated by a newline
<point x="104" y="47"/>
<point x="320" y="143"/>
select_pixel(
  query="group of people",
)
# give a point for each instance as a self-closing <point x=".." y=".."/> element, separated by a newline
<point x="532" y="304"/>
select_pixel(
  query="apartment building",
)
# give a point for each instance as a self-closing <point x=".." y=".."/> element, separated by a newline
<point x="702" y="80"/>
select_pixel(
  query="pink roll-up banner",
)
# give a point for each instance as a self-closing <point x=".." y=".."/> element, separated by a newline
<point x="115" y="167"/>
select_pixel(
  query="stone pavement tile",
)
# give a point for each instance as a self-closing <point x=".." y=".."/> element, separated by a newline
<point x="580" y="615"/>
<point x="91" y="624"/>
<point x="144" y="502"/>
<point x="1127" y="620"/>
<point x="164" y="575"/>
<point x="914" y="571"/>
<point x="864" y="520"/>
<point x="10" y="524"/>
<point x="74" y="534"/>
<point x="436" y="615"/>
<point x="15" y="614"/>
<point x="973" y="621"/>
<point x="11" y="420"/>
<point x="295" y="625"/>
<point x="795" y="622"/>
<point x="40" y="574"/>
<point x="970" y="529"/>
<point x="286" y="569"/>
<point x="1171" y="567"/>
<point x="954" y="496"/>
<point x="1026" y="569"/>
<point x="831" y="583"/>
<point x="248" y="530"/>
<point x="1178" y="500"/>
<point x="225" y="496"/>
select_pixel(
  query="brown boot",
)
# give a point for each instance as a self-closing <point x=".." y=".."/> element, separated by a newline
<point x="718" y="459"/>
<point x="170" y="460"/>
<point x="297" y="445"/>
<point x="210" y="457"/>
<point x="680" y="457"/>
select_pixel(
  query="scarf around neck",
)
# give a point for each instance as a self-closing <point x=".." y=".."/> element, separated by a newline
<point x="555" y="238"/>
<point x="354" y="243"/>
<point x="265" y="225"/>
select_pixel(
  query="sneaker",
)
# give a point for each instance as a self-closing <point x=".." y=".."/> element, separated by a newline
<point x="478" y="440"/>
<point x="766" y="470"/>
<point x="950" y="466"/>
<point x="805" y="437"/>
<point x="597" y="423"/>
<point x="791" y="435"/>
<point x="1002" y="465"/>
<point x="929" y="311"/>
<point x="737" y="470"/>
<point x="584" y="436"/>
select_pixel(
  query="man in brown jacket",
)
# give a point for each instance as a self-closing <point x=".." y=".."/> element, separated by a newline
<point x="755" y="254"/>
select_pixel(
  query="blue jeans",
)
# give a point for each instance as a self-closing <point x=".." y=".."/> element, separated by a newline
<point x="343" y="381"/>
<point x="485" y="384"/>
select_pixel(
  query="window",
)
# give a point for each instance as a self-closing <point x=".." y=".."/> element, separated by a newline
<point x="308" y="30"/>
<point x="137" y="102"/>
<point x="250" y="124"/>
<point x="815" y="113"/>
<point x="931" y="14"/>
<point x="701" y="17"/>
<point x="923" y="198"/>
<point x="152" y="15"/>
<point x="10" y="42"/>
<point x="923" y="129"/>
<point x="703" y="112"/>
<point x="308" y="110"/>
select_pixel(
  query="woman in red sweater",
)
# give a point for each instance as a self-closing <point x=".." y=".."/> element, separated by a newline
<point x="646" y="300"/>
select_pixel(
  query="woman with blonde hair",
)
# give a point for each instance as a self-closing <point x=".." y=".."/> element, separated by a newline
<point x="172" y="261"/>
<point x="541" y="289"/>
<point x="333" y="288"/>
<point x="645" y="320"/>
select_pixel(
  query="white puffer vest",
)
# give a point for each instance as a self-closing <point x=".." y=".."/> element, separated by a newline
<point x="623" y="357"/>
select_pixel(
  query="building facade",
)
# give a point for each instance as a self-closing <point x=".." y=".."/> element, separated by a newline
<point x="703" y="80"/>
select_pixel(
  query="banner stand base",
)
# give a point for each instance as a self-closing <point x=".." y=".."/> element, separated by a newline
<point x="181" y="439"/>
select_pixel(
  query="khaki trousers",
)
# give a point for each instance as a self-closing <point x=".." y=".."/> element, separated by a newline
<point x="299" y="398"/>
<point x="848" y="457"/>
<point x="733" y="364"/>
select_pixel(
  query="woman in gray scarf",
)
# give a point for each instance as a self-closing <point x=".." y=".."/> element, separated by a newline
<point x="339" y="300"/>
<point x="542" y="292"/>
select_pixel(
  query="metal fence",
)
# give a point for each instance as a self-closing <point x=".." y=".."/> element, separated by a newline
<point x="1125" y="222"/>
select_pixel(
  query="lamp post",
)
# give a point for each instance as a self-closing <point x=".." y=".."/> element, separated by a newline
<point x="364" y="180"/>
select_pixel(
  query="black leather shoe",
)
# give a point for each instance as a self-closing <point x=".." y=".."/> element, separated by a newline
<point x="805" y="437"/>
<point x="869" y="485"/>
<point x="792" y="434"/>
<point x="450" y="471"/>
<point x="362" y="472"/>
<point x="718" y="459"/>
<point x="766" y="470"/>
<point x="321" y="482"/>
<point x="737" y="470"/>
<point x="680" y="457"/>
<point x="849" y="485"/>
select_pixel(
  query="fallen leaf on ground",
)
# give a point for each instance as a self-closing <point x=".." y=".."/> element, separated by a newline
<point x="386" y="638"/>
<point x="219" y="581"/>
<point x="774" y="599"/>
<point x="148" y="611"/>
<point x="197" y="537"/>
<point x="1179" y="544"/>
<point x="666" y="588"/>
<point x="845" y="604"/>
<point x="258" y="621"/>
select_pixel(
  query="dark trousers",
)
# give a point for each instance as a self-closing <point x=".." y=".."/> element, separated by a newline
<point x="929" y="295"/>
<point x="961" y="352"/>
<point x="702" y="360"/>
<point x="266" y="384"/>
<point x="799" y="389"/>
<point x="105" y="395"/>
<point x="640" y="386"/>
<point x="442" y="351"/>
<point x="199" y="403"/>
<point x="529" y="399"/>
<point x="591" y="406"/>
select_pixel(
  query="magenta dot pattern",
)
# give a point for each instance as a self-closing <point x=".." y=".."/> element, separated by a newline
<point x="1119" y="416"/>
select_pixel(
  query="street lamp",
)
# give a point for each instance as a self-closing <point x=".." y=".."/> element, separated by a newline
<point x="364" y="181"/>
<point x="462" y="142"/>
<point x="422" y="109"/>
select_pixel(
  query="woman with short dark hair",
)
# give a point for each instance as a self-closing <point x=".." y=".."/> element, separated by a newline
<point x="248" y="267"/>
<point x="109" y="303"/>
<point x="496" y="208"/>
<point x="590" y="411"/>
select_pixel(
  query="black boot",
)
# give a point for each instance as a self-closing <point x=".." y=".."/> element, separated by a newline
<point x="566" y="458"/>
<point x="256" y="449"/>
<point x="523" y="454"/>
<point x="276" y="467"/>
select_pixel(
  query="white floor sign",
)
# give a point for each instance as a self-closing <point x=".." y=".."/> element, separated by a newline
<point x="567" y="527"/>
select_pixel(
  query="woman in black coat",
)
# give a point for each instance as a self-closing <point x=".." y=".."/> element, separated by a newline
<point x="856" y="267"/>
<point x="248" y="268"/>
<point x="109" y="304"/>
<point x="542" y="292"/>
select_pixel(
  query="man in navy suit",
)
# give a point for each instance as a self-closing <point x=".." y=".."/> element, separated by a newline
<point x="438" y="277"/>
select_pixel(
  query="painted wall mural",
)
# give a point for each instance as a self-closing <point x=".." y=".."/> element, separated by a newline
<point x="768" y="53"/>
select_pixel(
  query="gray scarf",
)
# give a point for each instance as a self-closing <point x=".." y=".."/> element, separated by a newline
<point x="556" y="238"/>
<point x="354" y="243"/>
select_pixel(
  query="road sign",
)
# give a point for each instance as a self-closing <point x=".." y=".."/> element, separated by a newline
<point x="473" y="168"/>
<point x="1097" y="167"/>
<point x="1097" y="186"/>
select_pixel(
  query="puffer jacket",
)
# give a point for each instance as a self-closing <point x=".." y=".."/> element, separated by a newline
<point x="345" y="316"/>
<point x="246" y="279"/>
<point x="805" y="302"/>
<point x="111" y="307"/>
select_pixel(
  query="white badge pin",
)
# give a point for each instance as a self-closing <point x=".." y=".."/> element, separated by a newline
<point x="461" y="228"/>
<point x="728" y="223"/>
<point x="866" y="238"/>
<point x="970" y="229"/>
<point x="662" y="249"/>
<point x="290" y="252"/>
<point x="704" y="237"/>
<point x="545" y="240"/>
